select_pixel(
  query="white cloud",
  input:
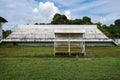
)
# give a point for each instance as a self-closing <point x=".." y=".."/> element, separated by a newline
<point x="68" y="14"/>
<point x="17" y="11"/>
<point x="35" y="10"/>
<point x="105" y="11"/>
<point x="110" y="9"/>
<point x="96" y="19"/>
<point x="67" y="3"/>
<point x="47" y="11"/>
<point x="29" y="11"/>
<point x="89" y="5"/>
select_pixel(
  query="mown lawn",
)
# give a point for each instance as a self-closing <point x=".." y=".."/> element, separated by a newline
<point x="38" y="63"/>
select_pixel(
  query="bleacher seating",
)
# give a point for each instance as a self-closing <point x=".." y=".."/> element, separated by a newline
<point x="46" y="32"/>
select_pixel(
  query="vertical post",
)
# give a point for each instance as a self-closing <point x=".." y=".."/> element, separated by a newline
<point x="84" y="45"/>
<point x="54" y="48"/>
<point x="70" y="43"/>
<point x="69" y="47"/>
<point x="95" y="34"/>
<point x="54" y="43"/>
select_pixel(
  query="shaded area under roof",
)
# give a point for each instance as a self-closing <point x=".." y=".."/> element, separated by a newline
<point x="69" y="31"/>
<point x="3" y="20"/>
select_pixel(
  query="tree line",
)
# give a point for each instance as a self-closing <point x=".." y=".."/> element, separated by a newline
<point x="6" y="33"/>
<point x="62" y="19"/>
<point x="112" y="31"/>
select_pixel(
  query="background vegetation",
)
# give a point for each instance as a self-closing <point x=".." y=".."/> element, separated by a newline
<point x="6" y="33"/>
<point x="112" y="30"/>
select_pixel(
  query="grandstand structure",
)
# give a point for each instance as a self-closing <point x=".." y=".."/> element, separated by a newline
<point x="37" y="35"/>
<point x="69" y="41"/>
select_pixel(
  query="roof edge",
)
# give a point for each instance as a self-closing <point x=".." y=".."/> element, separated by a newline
<point x="3" y="20"/>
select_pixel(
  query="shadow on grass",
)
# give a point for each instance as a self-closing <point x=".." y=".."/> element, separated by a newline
<point x="44" y="56"/>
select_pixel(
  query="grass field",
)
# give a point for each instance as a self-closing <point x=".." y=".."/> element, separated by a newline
<point x="38" y="63"/>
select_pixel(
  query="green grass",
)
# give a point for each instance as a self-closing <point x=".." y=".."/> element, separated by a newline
<point x="38" y="63"/>
<point x="25" y="51"/>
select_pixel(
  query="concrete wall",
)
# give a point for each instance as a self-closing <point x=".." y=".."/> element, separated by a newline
<point x="52" y="43"/>
<point x="100" y="44"/>
<point x="29" y="43"/>
<point x="118" y="40"/>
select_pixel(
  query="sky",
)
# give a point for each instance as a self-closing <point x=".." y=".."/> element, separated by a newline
<point x="42" y="11"/>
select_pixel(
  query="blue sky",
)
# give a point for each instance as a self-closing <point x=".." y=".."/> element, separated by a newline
<point x="31" y="11"/>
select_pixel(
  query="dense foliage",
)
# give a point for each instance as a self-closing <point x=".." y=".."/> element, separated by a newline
<point x="117" y="22"/>
<point x="62" y="19"/>
<point x="6" y="33"/>
<point x="112" y="31"/>
<point x="59" y="19"/>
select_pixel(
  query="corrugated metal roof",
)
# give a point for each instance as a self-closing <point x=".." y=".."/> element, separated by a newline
<point x="47" y="32"/>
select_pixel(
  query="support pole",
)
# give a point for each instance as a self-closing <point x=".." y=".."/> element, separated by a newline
<point x="69" y="47"/>
<point x="54" y="45"/>
<point x="84" y="45"/>
<point x="69" y="44"/>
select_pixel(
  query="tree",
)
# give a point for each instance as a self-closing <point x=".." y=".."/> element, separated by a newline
<point x="76" y="21"/>
<point x="99" y="24"/>
<point x="6" y="33"/>
<point x="62" y="19"/>
<point x="117" y="22"/>
<point x="36" y="24"/>
<point x="59" y="19"/>
<point x="111" y="31"/>
<point x="86" y="20"/>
